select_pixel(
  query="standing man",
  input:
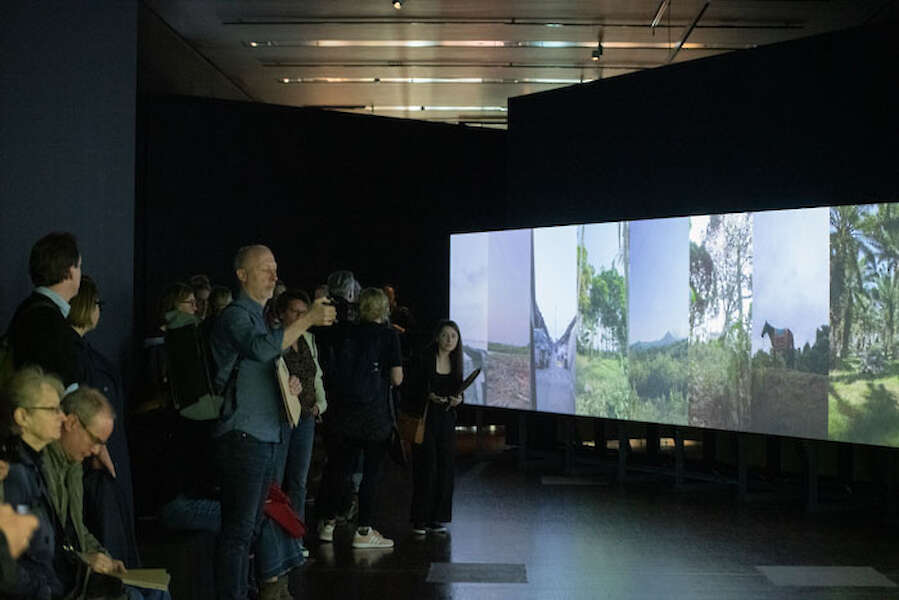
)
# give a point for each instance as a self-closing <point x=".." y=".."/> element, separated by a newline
<point x="245" y="351"/>
<point x="38" y="333"/>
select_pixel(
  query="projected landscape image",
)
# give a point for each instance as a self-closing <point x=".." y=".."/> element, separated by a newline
<point x="864" y="307"/>
<point x="554" y="317"/>
<point x="601" y="384"/>
<point x="790" y="323"/>
<point x="720" y="307"/>
<point x="658" y="309"/>
<point x="780" y="322"/>
<point x="508" y="325"/>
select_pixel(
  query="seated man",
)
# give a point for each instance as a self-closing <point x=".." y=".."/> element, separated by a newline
<point x="89" y="420"/>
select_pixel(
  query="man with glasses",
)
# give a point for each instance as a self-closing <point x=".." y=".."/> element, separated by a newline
<point x="88" y="423"/>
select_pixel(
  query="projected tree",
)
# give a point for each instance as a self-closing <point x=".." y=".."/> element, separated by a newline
<point x="864" y="308"/>
<point x="720" y="297"/>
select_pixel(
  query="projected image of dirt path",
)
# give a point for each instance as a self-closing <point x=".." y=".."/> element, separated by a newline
<point x="508" y="380"/>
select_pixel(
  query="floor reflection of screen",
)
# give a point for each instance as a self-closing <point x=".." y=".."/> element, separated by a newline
<point x="781" y="322"/>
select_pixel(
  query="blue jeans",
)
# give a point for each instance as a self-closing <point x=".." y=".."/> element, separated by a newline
<point x="246" y="468"/>
<point x="299" y="455"/>
<point x="192" y="514"/>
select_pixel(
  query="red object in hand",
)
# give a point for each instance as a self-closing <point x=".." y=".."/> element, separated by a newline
<point x="278" y="509"/>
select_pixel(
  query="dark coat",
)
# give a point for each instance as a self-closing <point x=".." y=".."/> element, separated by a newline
<point x="39" y="335"/>
<point x="25" y="488"/>
<point x="108" y="502"/>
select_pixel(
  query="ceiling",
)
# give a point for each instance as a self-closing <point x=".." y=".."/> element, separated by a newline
<point x="460" y="61"/>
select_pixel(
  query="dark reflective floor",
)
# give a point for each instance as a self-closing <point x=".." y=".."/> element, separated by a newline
<point x="639" y="541"/>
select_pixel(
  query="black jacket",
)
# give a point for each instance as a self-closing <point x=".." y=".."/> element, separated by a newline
<point x="39" y="335"/>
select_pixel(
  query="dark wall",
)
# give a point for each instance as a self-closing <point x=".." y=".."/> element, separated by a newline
<point x="802" y="123"/>
<point x="67" y="113"/>
<point x="324" y="190"/>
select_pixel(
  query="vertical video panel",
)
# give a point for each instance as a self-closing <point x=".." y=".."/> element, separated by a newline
<point x="864" y="309"/>
<point x="790" y="327"/>
<point x="658" y="321"/>
<point x="719" y="350"/>
<point x="554" y="318"/>
<point x="508" y="327"/>
<point x="468" y="305"/>
<point x="602" y="388"/>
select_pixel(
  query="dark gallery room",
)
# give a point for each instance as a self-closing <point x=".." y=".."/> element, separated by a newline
<point x="449" y="300"/>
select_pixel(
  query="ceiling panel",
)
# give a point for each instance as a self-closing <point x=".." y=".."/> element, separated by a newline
<point x="501" y="48"/>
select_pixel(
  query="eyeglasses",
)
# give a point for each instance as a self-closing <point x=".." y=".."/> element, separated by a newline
<point x="54" y="409"/>
<point x="191" y="301"/>
<point x="96" y="440"/>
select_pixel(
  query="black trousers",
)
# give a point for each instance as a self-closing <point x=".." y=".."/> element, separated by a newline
<point x="343" y="455"/>
<point x="433" y="468"/>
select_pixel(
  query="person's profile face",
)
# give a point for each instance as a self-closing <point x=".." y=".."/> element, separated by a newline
<point x="260" y="275"/>
<point x="202" y="296"/>
<point x="75" y="277"/>
<point x="188" y="305"/>
<point x="44" y="417"/>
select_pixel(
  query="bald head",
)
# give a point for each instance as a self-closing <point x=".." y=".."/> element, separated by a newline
<point x="247" y="254"/>
<point x="257" y="272"/>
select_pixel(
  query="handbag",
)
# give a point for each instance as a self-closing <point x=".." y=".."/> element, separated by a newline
<point x="412" y="427"/>
<point x="278" y="509"/>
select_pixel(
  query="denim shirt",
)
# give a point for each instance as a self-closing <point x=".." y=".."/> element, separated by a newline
<point x="240" y="332"/>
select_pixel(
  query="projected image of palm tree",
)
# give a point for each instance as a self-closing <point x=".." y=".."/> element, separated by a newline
<point x="720" y="309"/>
<point x="864" y="309"/>
<point x="601" y="384"/>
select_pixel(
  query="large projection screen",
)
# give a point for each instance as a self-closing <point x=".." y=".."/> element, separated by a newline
<point x="777" y="322"/>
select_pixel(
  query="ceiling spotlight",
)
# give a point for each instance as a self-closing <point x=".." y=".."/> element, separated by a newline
<point x="596" y="53"/>
<point x="398" y="4"/>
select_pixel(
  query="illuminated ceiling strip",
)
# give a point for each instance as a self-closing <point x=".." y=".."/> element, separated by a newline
<point x="557" y="24"/>
<point x="416" y="108"/>
<point x="450" y="64"/>
<point x="430" y="80"/>
<point x="492" y="44"/>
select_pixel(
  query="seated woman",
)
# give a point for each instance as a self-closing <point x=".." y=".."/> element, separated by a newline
<point x="435" y="387"/>
<point x="33" y="419"/>
<point x="108" y="497"/>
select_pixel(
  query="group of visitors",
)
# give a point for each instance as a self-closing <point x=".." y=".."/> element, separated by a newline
<point x="69" y="481"/>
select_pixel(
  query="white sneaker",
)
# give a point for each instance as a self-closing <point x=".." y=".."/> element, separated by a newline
<point x="373" y="540"/>
<point x="326" y="531"/>
<point x="435" y="527"/>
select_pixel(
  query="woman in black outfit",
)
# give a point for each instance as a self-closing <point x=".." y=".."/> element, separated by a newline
<point x="436" y="389"/>
<point x="108" y="495"/>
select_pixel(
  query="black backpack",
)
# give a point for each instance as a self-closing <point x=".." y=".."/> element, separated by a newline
<point x="356" y="373"/>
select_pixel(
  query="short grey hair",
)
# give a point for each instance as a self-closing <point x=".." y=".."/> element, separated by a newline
<point x="245" y="252"/>
<point x="26" y="384"/>
<point x="86" y="403"/>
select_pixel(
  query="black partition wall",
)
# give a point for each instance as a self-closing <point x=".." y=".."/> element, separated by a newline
<point x="803" y="123"/>
<point x="325" y="190"/>
<point x="67" y="112"/>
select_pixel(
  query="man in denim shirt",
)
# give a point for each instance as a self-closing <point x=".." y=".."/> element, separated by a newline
<point x="247" y="438"/>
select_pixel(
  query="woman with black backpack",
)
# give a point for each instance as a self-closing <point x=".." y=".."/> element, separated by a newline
<point x="365" y="361"/>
